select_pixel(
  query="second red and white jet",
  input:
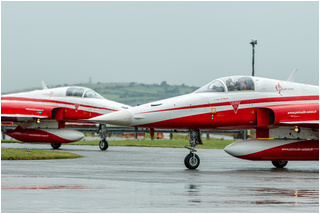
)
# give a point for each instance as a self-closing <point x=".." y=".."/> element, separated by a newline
<point x="285" y="115"/>
<point x="42" y="115"/>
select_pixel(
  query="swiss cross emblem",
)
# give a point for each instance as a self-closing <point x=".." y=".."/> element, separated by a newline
<point x="235" y="105"/>
<point x="76" y="107"/>
<point x="50" y="94"/>
<point x="279" y="88"/>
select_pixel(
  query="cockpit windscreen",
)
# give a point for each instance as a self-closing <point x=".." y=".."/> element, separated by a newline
<point x="234" y="83"/>
<point x="92" y="94"/>
<point x="83" y="92"/>
<point x="214" y="86"/>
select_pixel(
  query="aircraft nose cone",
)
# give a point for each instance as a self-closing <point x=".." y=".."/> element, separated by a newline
<point x="120" y="118"/>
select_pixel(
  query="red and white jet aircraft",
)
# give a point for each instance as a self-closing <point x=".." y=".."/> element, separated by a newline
<point x="41" y="115"/>
<point x="285" y="115"/>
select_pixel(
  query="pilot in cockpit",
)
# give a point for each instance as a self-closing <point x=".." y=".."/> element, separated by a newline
<point x="231" y="83"/>
<point x="241" y="85"/>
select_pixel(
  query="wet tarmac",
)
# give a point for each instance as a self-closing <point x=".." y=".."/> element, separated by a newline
<point x="132" y="179"/>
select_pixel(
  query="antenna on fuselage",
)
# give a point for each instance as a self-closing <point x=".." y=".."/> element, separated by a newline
<point x="44" y="86"/>
<point x="292" y="76"/>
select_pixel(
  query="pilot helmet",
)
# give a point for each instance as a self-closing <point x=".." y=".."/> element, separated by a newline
<point x="231" y="82"/>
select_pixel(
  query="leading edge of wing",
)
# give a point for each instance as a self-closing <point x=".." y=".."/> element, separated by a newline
<point x="308" y="123"/>
<point x="22" y="116"/>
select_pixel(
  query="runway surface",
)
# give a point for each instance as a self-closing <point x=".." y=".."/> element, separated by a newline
<point x="132" y="179"/>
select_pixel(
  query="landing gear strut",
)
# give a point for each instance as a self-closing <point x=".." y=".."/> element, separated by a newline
<point x="192" y="160"/>
<point x="102" y="131"/>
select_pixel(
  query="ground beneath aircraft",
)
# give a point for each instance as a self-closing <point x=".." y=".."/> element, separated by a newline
<point x="130" y="179"/>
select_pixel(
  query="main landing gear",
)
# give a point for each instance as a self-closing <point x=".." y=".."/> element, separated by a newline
<point x="279" y="163"/>
<point x="102" y="131"/>
<point x="55" y="145"/>
<point x="192" y="160"/>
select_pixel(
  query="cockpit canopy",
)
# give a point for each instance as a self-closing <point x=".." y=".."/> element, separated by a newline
<point x="83" y="92"/>
<point x="227" y="84"/>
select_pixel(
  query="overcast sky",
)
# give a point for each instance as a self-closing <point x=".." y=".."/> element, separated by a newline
<point x="150" y="42"/>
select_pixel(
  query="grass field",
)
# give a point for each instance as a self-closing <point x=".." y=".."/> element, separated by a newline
<point x="179" y="142"/>
<point x="207" y="144"/>
<point x="23" y="154"/>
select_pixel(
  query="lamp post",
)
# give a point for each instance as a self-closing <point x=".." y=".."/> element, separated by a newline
<point x="253" y="43"/>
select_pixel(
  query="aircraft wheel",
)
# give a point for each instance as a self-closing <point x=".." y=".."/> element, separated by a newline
<point x="55" y="145"/>
<point x="192" y="161"/>
<point x="103" y="144"/>
<point x="279" y="164"/>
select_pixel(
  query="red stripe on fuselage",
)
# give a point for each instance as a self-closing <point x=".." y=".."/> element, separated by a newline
<point x="253" y="101"/>
<point x="244" y="119"/>
<point x="22" y="99"/>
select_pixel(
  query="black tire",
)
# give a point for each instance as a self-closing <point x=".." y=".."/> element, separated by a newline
<point x="103" y="145"/>
<point x="279" y="164"/>
<point x="55" y="145"/>
<point x="192" y="161"/>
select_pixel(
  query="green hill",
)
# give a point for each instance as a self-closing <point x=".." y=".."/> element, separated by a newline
<point x="138" y="93"/>
<point x="133" y="93"/>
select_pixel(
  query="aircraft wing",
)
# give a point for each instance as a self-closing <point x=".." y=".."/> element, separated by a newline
<point x="301" y="123"/>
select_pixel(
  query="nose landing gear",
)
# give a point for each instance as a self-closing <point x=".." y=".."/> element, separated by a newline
<point x="102" y="131"/>
<point x="192" y="160"/>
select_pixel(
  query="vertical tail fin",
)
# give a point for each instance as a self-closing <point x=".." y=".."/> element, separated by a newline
<point x="292" y="76"/>
<point x="44" y="86"/>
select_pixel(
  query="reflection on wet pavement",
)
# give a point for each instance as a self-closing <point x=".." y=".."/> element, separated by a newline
<point x="127" y="179"/>
<point x="45" y="187"/>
